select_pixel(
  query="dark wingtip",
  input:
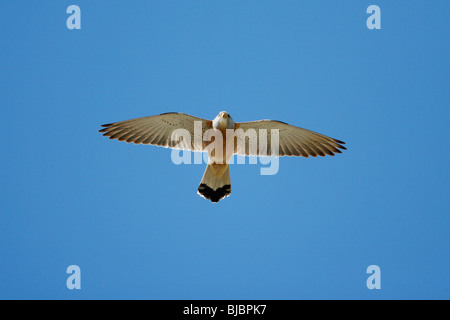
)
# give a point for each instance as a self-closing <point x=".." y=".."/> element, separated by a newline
<point x="340" y="144"/>
<point x="105" y="127"/>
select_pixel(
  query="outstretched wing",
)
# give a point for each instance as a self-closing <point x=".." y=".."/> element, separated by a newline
<point x="157" y="130"/>
<point x="293" y="141"/>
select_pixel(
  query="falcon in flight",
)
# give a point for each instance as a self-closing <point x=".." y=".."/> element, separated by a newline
<point x="216" y="184"/>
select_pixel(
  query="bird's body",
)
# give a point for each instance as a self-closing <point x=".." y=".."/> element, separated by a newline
<point x="272" y="138"/>
<point x="216" y="181"/>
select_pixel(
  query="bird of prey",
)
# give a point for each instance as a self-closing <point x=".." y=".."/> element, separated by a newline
<point x="216" y="184"/>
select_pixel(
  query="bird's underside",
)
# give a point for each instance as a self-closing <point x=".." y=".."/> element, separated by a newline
<point x="271" y="138"/>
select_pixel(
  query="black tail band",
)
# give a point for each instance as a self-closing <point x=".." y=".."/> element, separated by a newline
<point x="214" y="195"/>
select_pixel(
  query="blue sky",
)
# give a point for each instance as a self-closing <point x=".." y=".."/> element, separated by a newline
<point x="131" y="219"/>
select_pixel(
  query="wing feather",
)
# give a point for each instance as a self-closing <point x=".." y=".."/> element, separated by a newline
<point x="293" y="141"/>
<point x="157" y="130"/>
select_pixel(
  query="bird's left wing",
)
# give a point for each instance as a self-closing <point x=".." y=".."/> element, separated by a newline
<point x="157" y="130"/>
<point x="293" y="141"/>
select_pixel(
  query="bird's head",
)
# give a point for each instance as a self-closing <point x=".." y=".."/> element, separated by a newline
<point x="223" y="121"/>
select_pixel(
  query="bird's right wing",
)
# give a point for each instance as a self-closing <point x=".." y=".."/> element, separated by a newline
<point x="157" y="130"/>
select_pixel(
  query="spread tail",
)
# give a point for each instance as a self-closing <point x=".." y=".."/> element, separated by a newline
<point x="216" y="183"/>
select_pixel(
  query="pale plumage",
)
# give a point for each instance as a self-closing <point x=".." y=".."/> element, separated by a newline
<point x="157" y="130"/>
